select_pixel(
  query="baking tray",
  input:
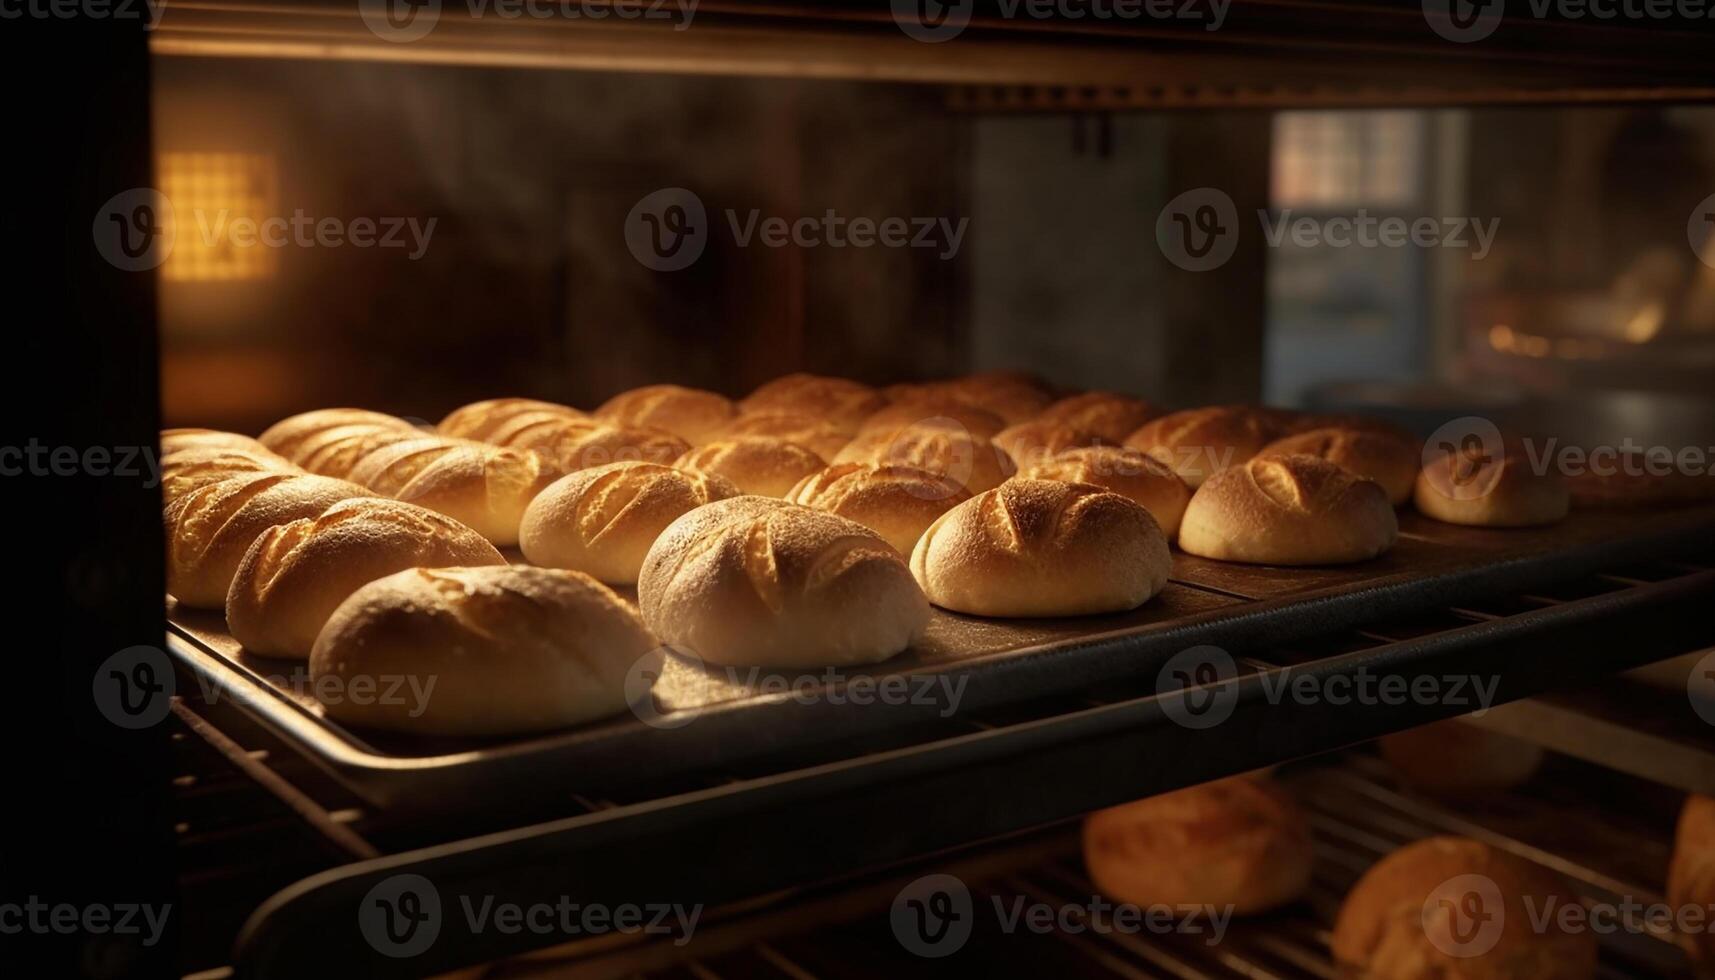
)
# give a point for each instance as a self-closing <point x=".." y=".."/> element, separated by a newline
<point x="732" y="727"/>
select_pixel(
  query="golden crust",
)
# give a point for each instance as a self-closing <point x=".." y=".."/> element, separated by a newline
<point x="1200" y="442"/>
<point x="485" y="487"/>
<point x="1501" y="491"/>
<point x="1288" y="510"/>
<point x="840" y="402"/>
<point x="1111" y="417"/>
<point x="480" y="420"/>
<point x="946" y="450"/>
<point x="822" y="438"/>
<point x="1388" y="460"/>
<point x="1127" y="472"/>
<point x="1040" y="440"/>
<point x="692" y="414"/>
<point x="760" y="465"/>
<point x="896" y="502"/>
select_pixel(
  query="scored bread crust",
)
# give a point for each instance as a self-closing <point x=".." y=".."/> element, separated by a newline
<point x="1042" y="548"/>
<point x="1108" y="415"/>
<point x="484" y="487"/>
<point x="692" y="414"/>
<point x="841" y="402"/>
<point x="180" y="440"/>
<point x="337" y="450"/>
<point x="294" y="575"/>
<point x="1288" y="510"/>
<point x="761" y="465"/>
<point x="1241" y="842"/>
<point x="1127" y="472"/>
<point x="897" y="502"/>
<point x="479" y="420"/>
<point x="1388" y="460"/>
<point x="1014" y="396"/>
<point x="574" y="444"/>
<point x="601" y="521"/>
<point x="190" y="469"/>
<point x="1384" y="931"/>
<point x="1457" y="488"/>
<point x="1200" y="442"/>
<point x="818" y="436"/>
<point x="210" y="529"/>
<point x="508" y="648"/>
<point x="758" y="581"/>
<point x="946" y="450"/>
<point x="1040" y="440"/>
<point x="285" y="436"/>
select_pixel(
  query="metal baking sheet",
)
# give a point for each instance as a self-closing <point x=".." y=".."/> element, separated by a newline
<point x="729" y="725"/>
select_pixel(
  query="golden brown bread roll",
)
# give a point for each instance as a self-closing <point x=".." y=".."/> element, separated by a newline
<point x="1456" y="759"/>
<point x="1389" y="461"/>
<point x="295" y="574"/>
<point x="483" y="487"/>
<point x="1040" y="440"/>
<point x="1126" y="472"/>
<point x="1455" y="907"/>
<point x="1691" y="873"/>
<point x="692" y="414"/>
<point x="1042" y="548"/>
<point x="574" y="444"/>
<point x="754" y="580"/>
<point x="1013" y="395"/>
<point x="285" y="436"/>
<point x="189" y="469"/>
<point x="840" y="402"/>
<point x="822" y="438"/>
<point x="336" y="451"/>
<point x="479" y="420"/>
<point x="1241" y="843"/>
<point x="1109" y="416"/>
<point x="941" y="447"/>
<point x="1288" y="510"/>
<point x="179" y="440"/>
<point x="896" y="502"/>
<point x="507" y="648"/>
<point x="1460" y="487"/>
<point x="1200" y="442"/>
<point x="758" y="465"/>
<point x="934" y="410"/>
<point x="601" y="521"/>
<point x="210" y="529"/>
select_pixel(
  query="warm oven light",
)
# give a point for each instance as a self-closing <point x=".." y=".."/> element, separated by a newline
<point x="217" y="201"/>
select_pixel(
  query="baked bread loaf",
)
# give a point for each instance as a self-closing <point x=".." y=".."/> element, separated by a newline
<point x="822" y="438"/>
<point x="1691" y="873"/>
<point x="1040" y="440"/>
<point x="1241" y="843"/>
<point x="1200" y="442"/>
<point x="760" y="465"/>
<point x="179" y="440"/>
<point x="1460" y="487"/>
<point x="896" y="502"/>
<point x="754" y="580"/>
<point x="483" y="487"/>
<point x="574" y="444"/>
<point x="210" y="529"/>
<point x="479" y="420"/>
<point x="190" y="469"/>
<point x="692" y="414"/>
<point x="1126" y="472"/>
<point x="1109" y="416"/>
<point x="934" y="410"/>
<point x="285" y="436"/>
<point x="944" y="449"/>
<point x="294" y="575"/>
<point x="1042" y="548"/>
<point x="1015" y="396"/>
<point x="1389" y="461"/>
<point x="1456" y="907"/>
<point x="507" y="648"/>
<point x="601" y="521"/>
<point x="1288" y="510"/>
<point x="1456" y="759"/>
<point x="838" y="401"/>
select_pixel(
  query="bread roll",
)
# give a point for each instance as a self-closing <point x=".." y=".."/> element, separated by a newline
<point x="822" y="438"/>
<point x="579" y="444"/>
<point x="601" y="521"/>
<point x="1455" y="907"/>
<point x="1201" y="442"/>
<point x="838" y="401"/>
<point x="1691" y="873"/>
<point x="1239" y="843"/>
<point x="754" y="464"/>
<point x="1014" y="396"/>
<point x="483" y="487"/>
<point x="1456" y="759"/>
<point x="896" y="502"/>
<point x="1503" y="491"/>
<point x="284" y="436"/>
<point x="1110" y="417"/>
<point x="508" y="649"/>
<point x="190" y="469"/>
<point x="1288" y="510"/>
<point x="210" y="529"/>
<point x="754" y="580"/>
<point x="1040" y="440"/>
<point x="479" y="420"/>
<point x="692" y="414"/>
<point x="1126" y="472"/>
<point x="336" y="451"/>
<point x="1389" y="461"/>
<point x="1042" y="548"/>
<point x="179" y="440"/>
<point x="944" y="449"/>
<point x="934" y="410"/>
<point x="294" y="575"/>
